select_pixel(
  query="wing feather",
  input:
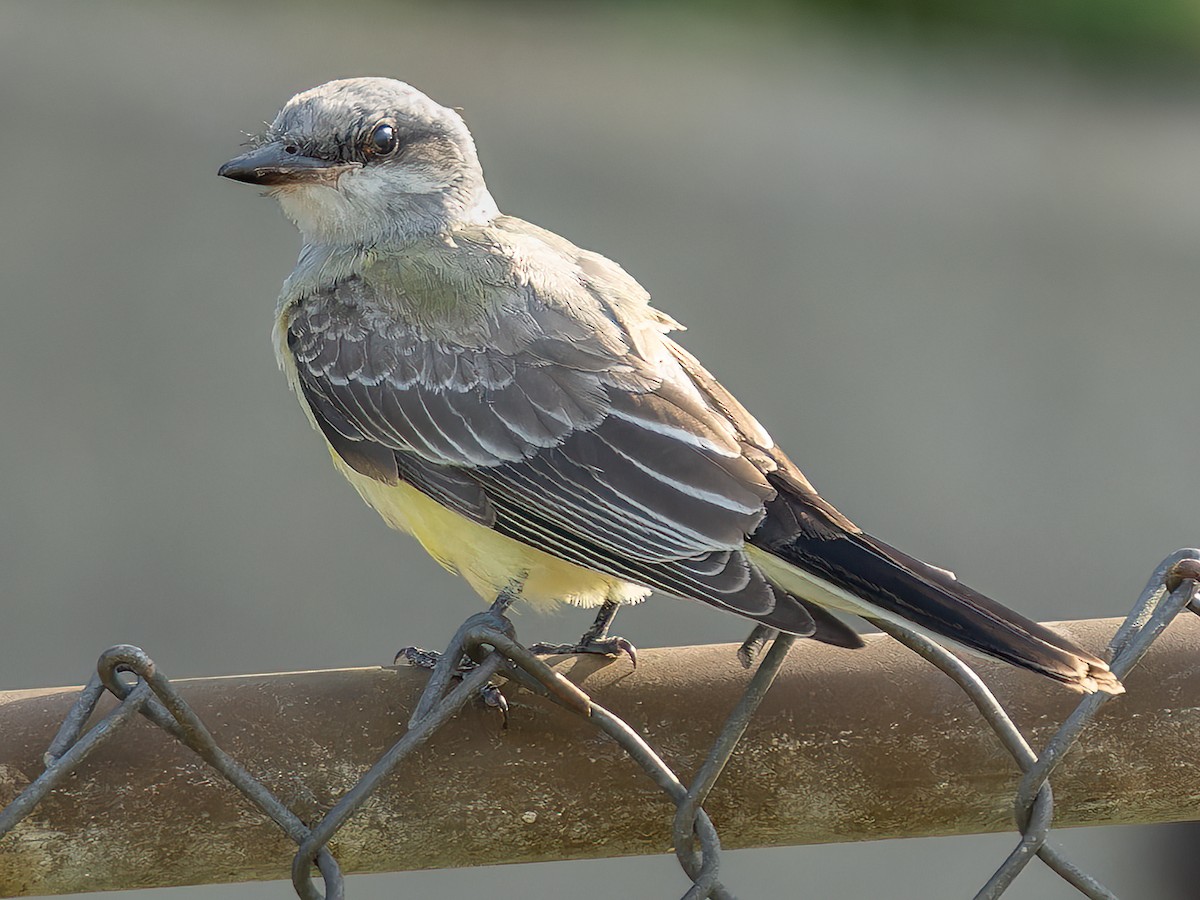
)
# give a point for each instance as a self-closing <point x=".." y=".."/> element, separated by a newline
<point x="570" y="424"/>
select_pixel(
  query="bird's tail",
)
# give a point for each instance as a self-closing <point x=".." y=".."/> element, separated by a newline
<point x="858" y="573"/>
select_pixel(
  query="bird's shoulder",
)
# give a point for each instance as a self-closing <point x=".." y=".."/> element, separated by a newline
<point x="505" y="287"/>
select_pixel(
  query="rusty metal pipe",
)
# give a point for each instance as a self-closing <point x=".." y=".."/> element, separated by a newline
<point x="846" y="746"/>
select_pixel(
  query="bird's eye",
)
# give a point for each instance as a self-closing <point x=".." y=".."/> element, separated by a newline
<point x="383" y="140"/>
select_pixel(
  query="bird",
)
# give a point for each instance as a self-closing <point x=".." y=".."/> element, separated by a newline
<point x="516" y="404"/>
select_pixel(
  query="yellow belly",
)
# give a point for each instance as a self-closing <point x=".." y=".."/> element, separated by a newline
<point x="489" y="561"/>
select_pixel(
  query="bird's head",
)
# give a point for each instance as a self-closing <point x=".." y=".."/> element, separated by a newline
<point x="368" y="160"/>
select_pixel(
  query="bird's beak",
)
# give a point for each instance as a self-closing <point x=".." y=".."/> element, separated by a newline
<point x="279" y="163"/>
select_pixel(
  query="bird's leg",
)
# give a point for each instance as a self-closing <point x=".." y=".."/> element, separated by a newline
<point x="595" y="639"/>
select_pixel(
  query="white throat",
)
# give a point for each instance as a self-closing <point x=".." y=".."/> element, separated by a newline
<point x="367" y="206"/>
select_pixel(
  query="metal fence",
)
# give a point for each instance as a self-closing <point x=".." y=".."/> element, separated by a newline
<point x="140" y="690"/>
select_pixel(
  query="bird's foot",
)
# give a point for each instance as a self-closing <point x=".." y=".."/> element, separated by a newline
<point x="612" y="647"/>
<point x="753" y="644"/>
<point x="490" y="693"/>
<point x="594" y="641"/>
<point x="427" y="659"/>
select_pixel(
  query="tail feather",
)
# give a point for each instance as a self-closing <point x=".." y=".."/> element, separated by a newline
<point x="858" y="573"/>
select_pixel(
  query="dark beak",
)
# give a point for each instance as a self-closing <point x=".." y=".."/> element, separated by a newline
<point x="278" y="163"/>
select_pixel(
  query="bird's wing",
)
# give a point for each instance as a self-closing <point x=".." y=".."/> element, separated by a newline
<point x="377" y="377"/>
<point x="587" y="439"/>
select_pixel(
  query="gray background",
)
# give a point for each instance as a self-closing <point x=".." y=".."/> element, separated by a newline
<point x="957" y="282"/>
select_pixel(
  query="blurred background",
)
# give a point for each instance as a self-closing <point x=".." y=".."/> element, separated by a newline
<point x="947" y="253"/>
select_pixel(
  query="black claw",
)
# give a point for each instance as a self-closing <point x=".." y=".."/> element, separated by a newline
<point x="415" y="656"/>
<point x="494" y="697"/>
<point x="628" y="649"/>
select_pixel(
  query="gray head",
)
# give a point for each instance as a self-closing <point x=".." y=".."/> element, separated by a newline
<point x="368" y="160"/>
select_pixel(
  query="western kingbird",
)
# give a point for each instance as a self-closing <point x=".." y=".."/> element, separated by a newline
<point x="515" y="403"/>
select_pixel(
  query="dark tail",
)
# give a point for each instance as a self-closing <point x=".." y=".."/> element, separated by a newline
<point x="895" y="585"/>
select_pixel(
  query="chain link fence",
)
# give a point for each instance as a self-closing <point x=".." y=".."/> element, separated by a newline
<point x="488" y="640"/>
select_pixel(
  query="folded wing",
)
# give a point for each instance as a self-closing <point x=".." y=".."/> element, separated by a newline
<point x="605" y="454"/>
